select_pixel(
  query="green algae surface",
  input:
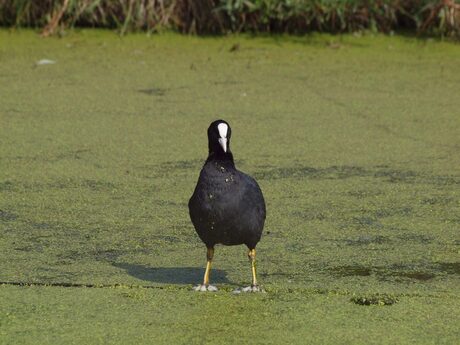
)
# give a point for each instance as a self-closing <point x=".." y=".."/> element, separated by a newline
<point x="354" y="141"/>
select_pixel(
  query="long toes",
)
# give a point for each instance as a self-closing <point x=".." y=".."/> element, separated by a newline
<point x="252" y="288"/>
<point x="197" y="288"/>
<point x="204" y="288"/>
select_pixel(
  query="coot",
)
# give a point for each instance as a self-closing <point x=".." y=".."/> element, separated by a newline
<point x="227" y="206"/>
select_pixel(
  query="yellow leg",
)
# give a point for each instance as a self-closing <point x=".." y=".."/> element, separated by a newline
<point x="252" y="258"/>
<point x="209" y="256"/>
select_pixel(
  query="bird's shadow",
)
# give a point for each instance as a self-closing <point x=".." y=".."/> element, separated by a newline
<point x="172" y="275"/>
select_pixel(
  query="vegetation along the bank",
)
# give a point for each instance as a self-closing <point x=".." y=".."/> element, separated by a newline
<point x="434" y="17"/>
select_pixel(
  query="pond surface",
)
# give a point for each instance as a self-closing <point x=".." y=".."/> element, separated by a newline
<point x="353" y="139"/>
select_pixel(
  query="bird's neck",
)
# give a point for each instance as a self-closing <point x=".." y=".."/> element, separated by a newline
<point x="225" y="158"/>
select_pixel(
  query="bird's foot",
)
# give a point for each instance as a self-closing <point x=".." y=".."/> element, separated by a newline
<point x="252" y="288"/>
<point x="204" y="288"/>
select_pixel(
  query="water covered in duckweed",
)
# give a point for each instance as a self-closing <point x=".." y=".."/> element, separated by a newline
<point x="353" y="139"/>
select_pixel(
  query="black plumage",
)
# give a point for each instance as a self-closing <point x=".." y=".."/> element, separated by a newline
<point x="227" y="206"/>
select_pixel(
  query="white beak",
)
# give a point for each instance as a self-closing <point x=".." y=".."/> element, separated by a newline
<point x="223" y="143"/>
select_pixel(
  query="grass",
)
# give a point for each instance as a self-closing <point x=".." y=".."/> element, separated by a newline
<point x="434" y="17"/>
<point x="353" y="139"/>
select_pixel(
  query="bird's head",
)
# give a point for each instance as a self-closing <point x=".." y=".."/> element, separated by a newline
<point x="219" y="133"/>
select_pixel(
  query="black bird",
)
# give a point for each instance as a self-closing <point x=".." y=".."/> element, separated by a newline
<point x="227" y="206"/>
